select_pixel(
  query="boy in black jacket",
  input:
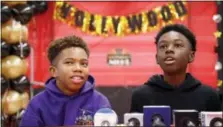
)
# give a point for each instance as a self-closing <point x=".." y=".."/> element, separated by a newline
<point x="176" y="46"/>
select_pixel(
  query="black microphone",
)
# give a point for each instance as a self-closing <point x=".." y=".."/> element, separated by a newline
<point x="188" y="123"/>
<point x="157" y="121"/>
<point x="216" y="122"/>
<point x="133" y="119"/>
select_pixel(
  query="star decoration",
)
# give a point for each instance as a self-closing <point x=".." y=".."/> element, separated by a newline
<point x="219" y="83"/>
<point x="217" y="34"/>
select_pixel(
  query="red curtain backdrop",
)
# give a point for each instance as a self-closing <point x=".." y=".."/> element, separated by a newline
<point x="44" y="28"/>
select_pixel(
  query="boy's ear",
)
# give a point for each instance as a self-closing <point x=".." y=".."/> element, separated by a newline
<point x="157" y="59"/>
<point x="53" y="71"/>
<point x="191" y="56"/>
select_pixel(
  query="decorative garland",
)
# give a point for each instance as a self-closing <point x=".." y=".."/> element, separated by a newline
<point x="142" y="22"/>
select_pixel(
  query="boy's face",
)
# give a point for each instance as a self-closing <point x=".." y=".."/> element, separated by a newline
<point x="70" y="69"/>
<point x="174" y="52"/>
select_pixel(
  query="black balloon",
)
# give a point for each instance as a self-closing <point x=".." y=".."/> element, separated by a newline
<point x="20" y="84"/>
<point x="22" y="50"/>
<point x="22" y="13"/>
<point x="38" y="6"/>
<point x="4" y="85"/>
<point x="6" y="13"/>
<point x="5" y="49"/>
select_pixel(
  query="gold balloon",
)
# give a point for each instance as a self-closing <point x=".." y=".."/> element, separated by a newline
<point x="13" y="32"/>
<point x="11" y="102"/>
<point x="25" y="99"/>
<point x="13" y="67"/>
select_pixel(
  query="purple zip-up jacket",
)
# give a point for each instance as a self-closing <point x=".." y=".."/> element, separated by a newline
<point x="52" y="108"/>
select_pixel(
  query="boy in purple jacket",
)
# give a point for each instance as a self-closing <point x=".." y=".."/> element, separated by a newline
<point x="69" y="97"/>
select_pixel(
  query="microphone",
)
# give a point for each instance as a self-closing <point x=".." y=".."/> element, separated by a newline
<point x="186" y="118"/>
<point x="157" y="116"/>
<point x="212" y="119"/>
<point x="105" y="117"/>
<point x="133" y="119"/>
<point x="190" y="124"/>
<point x="157" y="121"/>
<point x="217" y="123"/>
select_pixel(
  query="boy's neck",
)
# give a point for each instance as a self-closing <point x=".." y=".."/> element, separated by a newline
<point x="65" y="91"/>
<point x="175" y="79"/>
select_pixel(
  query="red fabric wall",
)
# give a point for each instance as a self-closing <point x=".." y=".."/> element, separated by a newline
<point x="203" y="26"/>
<point x="43" y="29"/>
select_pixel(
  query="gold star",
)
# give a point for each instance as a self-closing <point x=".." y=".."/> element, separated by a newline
<point x="217" y="34"/>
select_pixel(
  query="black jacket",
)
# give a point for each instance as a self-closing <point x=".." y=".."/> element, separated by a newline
<point x="191" y="94"/>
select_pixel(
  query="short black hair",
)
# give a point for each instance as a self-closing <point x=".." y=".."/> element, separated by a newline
<point x="58" y="45"/>
<point x="181" y="29"/>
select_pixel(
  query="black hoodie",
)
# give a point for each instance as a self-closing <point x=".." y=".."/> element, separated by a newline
<point x="191" y="94"/>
